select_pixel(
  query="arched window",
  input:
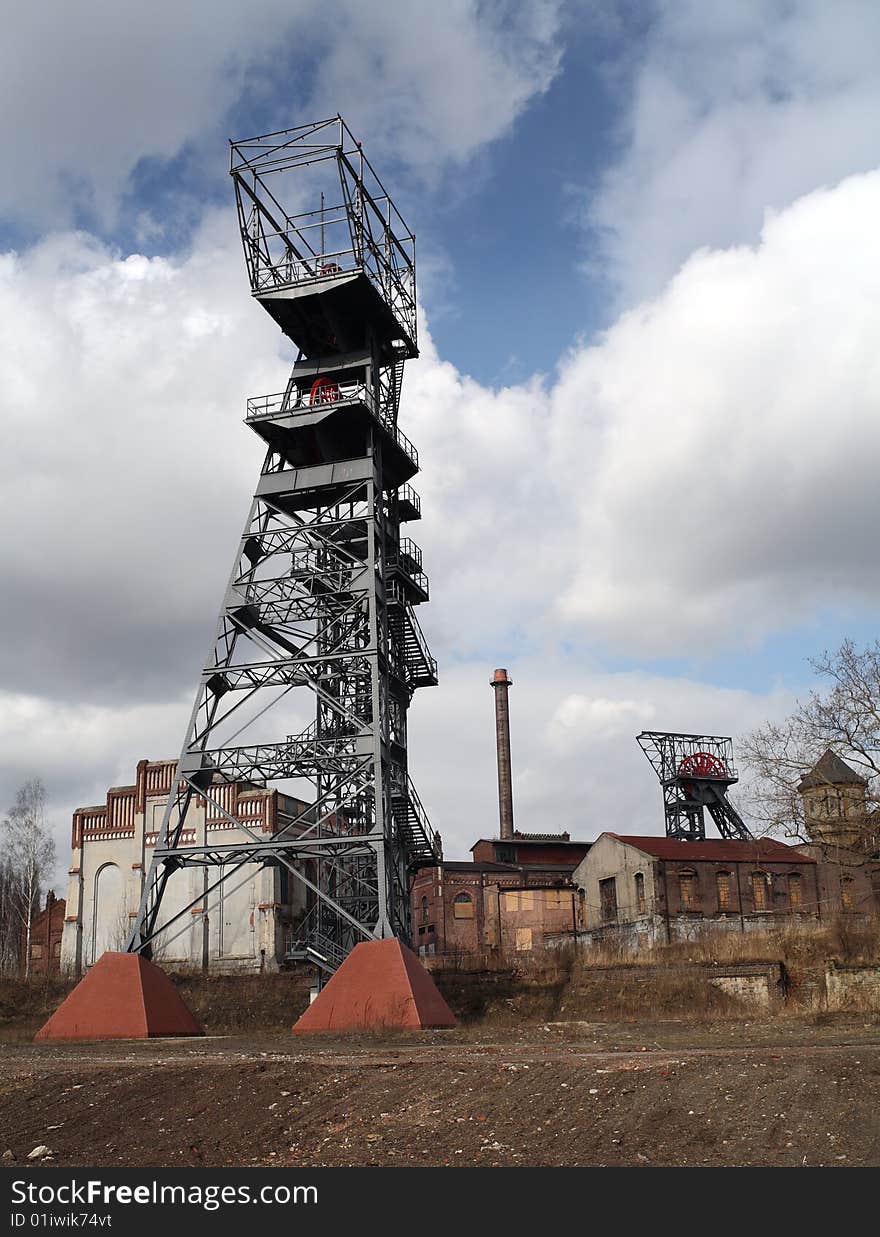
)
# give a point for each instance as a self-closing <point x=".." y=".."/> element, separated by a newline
<point x="640" y="893"/>
<point x="109" y="914"/>
<point x="462" y="906"/>
<point x="687" y="889"/>
<point x="795" y="892"/>
<point x="722" y="886"/>
<point x="761" y="890"/>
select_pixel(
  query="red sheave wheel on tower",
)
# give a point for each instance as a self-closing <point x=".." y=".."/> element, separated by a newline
<point x="703" y="764"/>
<point x="324" y="391"/>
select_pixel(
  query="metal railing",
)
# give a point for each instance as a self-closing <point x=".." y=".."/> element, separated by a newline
<point x="406" y="557"/>
<point x="394" y="284"/>
<point x="406" y="494"/>
<point x="298" y="402"/>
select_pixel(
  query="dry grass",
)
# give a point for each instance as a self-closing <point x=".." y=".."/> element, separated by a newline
<point x="26" y="1004"/>
<point x="227" y="1004"/>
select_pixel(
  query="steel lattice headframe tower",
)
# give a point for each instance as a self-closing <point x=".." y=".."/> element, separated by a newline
<point x="695" y="771"/>
<point x="322" y="594"/>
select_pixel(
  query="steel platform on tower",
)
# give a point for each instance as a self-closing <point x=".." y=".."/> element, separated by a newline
<point x="318" y="621"/>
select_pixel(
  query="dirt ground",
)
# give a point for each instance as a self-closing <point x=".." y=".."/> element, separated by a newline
<point x="785" y="1091"/>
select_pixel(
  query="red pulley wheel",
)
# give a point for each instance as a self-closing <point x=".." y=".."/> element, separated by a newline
<point x="324" y="391"/>
<point x="703" y="764"/>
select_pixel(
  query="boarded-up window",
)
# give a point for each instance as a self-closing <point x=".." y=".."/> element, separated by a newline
<point x="795" y="895"/>
<point x="519" y="900"/>
<point x="760" y="885"/>
<point x="462" y="906"/>
<point x="722" y="884"/>
<point x="36" y="951"/>
<point x="847" y="898"/>
<point x="608" y="898"/>
<point x="687" y="890"/>
<point x="640" y="893"/>
<point x="523" y="939"/>
<point x="557" y="899"/>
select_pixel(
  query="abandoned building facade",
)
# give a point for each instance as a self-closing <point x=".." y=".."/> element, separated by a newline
<point x="649" y="890"/>
<point x="244" y="926"/>
<point x="513" y="896"/>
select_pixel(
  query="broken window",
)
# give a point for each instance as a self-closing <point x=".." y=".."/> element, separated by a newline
<point x="687" y="889"/>
<point x="640" y="893"/>
<point x="722" y="884"/>
<point x="760" y="887"/>
<point x="608" y="898"/>
<point x="795" y="898"/>
<point x="424" y="910"/>
<point x="462" y="906"/>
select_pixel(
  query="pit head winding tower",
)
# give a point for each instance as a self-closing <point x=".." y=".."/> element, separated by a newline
<point x="317" y="651"/>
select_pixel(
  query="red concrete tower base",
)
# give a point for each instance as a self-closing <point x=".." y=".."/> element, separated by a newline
<point x="380" y="984"/>
<point x="123" y="996"/>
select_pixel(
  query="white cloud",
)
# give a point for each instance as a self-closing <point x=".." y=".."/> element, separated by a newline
<point x="727" y="485"/>
<point x="127" y="465"/>
<point x="88" y="90"/>
<point x="734" y="110"/>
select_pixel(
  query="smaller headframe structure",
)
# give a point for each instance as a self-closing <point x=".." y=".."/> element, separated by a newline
<point x="695" y="771"/>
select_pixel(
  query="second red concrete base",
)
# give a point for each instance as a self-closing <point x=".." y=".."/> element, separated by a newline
<point x="380" y="984"/>
<point x="123" y="996"/>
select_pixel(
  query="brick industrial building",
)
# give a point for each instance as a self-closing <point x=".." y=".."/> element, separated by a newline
<point x="47" y="927"/>
<point x="646" y="890"/>
<point x="514" y="893"/>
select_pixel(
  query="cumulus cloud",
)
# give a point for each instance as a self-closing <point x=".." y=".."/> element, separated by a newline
<point x="126" y="465"/>
<point x="733" y="109"/>
<point x="727" y="485"/>
<point x="91" y="89"/>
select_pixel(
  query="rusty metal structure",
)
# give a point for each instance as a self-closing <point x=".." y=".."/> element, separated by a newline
<point x="695" y="771"/>
<point x="317" y="650"/>
<point x="501" y="684"/>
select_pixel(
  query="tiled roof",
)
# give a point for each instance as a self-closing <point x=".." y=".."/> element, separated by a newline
<point x="830" y="770"/>
<point x="714" y="848"/>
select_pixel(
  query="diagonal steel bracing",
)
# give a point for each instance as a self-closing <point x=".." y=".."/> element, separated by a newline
<point x="318" y="619"/>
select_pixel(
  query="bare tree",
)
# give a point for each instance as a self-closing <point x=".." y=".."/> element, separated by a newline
<point x="10" y="925"/>
<point x="30" y="853"/>
<point x="844" y="716"/>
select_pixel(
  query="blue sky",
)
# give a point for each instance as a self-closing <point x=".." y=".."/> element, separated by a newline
<point x="645" y="406"/>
